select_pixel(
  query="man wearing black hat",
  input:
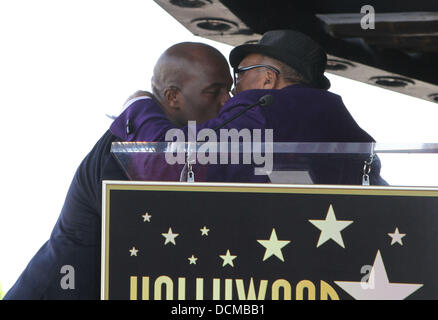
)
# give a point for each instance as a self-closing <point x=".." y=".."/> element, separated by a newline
<point x="282" y="58"/>
<point x="289" y="66"/>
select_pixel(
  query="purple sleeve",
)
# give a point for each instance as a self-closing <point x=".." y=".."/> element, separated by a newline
<point x="144" y="120"/>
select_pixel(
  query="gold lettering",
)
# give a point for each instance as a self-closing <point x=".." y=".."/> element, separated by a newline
<point x="145" y="288"/>
<point x="199" y="289"/>
<point x="228" y="289"/>
<point x="133" y="288"/>
<point x="169" y="287"/>
<point x="181" y="288"/>
<point x="216" y="289"/>
<point x="310" y="290"/>
<point x="287" y="290"/>
<point x="305" y="289"/>
<point x="251" y="290"/>
<point x="327" y="291"/>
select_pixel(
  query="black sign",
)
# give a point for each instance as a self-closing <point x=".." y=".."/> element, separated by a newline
<point x="245" y="242"/>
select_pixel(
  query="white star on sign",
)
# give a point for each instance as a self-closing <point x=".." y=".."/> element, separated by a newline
<point x="204" y="231"/>
<point x="170" y="237"/>
<point x="396" y="237"/>
<point x="273" y="246"/>
<point x="192" y="259"/>
<point x="228" y="259"/>
<point x="133" y="251"/>
<point x="331" y="228"/>
<point x="378" y="286"/>
<point x="147" y="217"/>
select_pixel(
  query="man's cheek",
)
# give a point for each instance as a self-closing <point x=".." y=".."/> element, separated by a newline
<point x="216" y="105"/>
<point x="211" y="105"/>
<point x="240" y="87"/>
<point x="211" y="112"/>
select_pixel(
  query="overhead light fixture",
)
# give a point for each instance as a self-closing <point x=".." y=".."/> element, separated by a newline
<point x="433" y="97"/>
<point x="338" y="65"/>
<point x="391" y="81"/>
<point x="190" y="3"/>
<point x="215" y="24"/>
<point x="254" y="41"/>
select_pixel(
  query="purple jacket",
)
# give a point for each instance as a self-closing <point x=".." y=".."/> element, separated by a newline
<point x="298" y="114"/>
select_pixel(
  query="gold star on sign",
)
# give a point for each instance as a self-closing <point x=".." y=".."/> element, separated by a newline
<point x="192" y="259"/>
<point x="147" y="217"/>
<point x="331" y="228"/>
<point x="273" y="246"/>
<point x="228" y="259"/>
<point x="204" y="231"/>
<point x="133" y="251"/>
<point x="170" y="236"/>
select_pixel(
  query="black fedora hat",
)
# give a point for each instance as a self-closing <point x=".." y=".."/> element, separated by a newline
<point x="292" y="48"/>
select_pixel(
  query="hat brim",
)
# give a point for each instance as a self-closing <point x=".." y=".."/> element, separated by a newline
<point x="324" y="83"/>
<point x="240" y="52"/>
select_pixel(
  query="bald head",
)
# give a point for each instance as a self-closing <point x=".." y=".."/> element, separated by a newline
<point x="191" y="81"/>
<point x="181" y="62"/>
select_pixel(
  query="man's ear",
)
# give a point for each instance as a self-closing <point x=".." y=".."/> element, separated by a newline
<point x="270" y="80"/>
<point x="171" y="97"/>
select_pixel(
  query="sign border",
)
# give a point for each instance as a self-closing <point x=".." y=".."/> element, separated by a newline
<point x="109" y="185"/>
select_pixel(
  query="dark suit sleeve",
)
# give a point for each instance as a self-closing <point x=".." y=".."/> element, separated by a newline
<point x="75" y="239"/>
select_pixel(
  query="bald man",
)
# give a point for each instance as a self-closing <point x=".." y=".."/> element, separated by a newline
<point x="191" y="81"/>
<point x="191" y="86"/>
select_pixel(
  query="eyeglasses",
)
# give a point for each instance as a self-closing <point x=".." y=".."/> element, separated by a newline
<point x="243" y="69"/>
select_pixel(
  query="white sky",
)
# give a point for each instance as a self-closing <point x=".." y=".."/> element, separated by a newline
<point x="64" y="64"/>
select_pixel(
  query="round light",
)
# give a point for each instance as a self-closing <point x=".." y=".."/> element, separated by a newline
<point x="215" y="24"/>
<point x="338" y="65"/>
<point x="190" y="3"/>
<point x="433" y="97"/>
<point x="391" y="82"/>
<point x="255" y="41"/>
